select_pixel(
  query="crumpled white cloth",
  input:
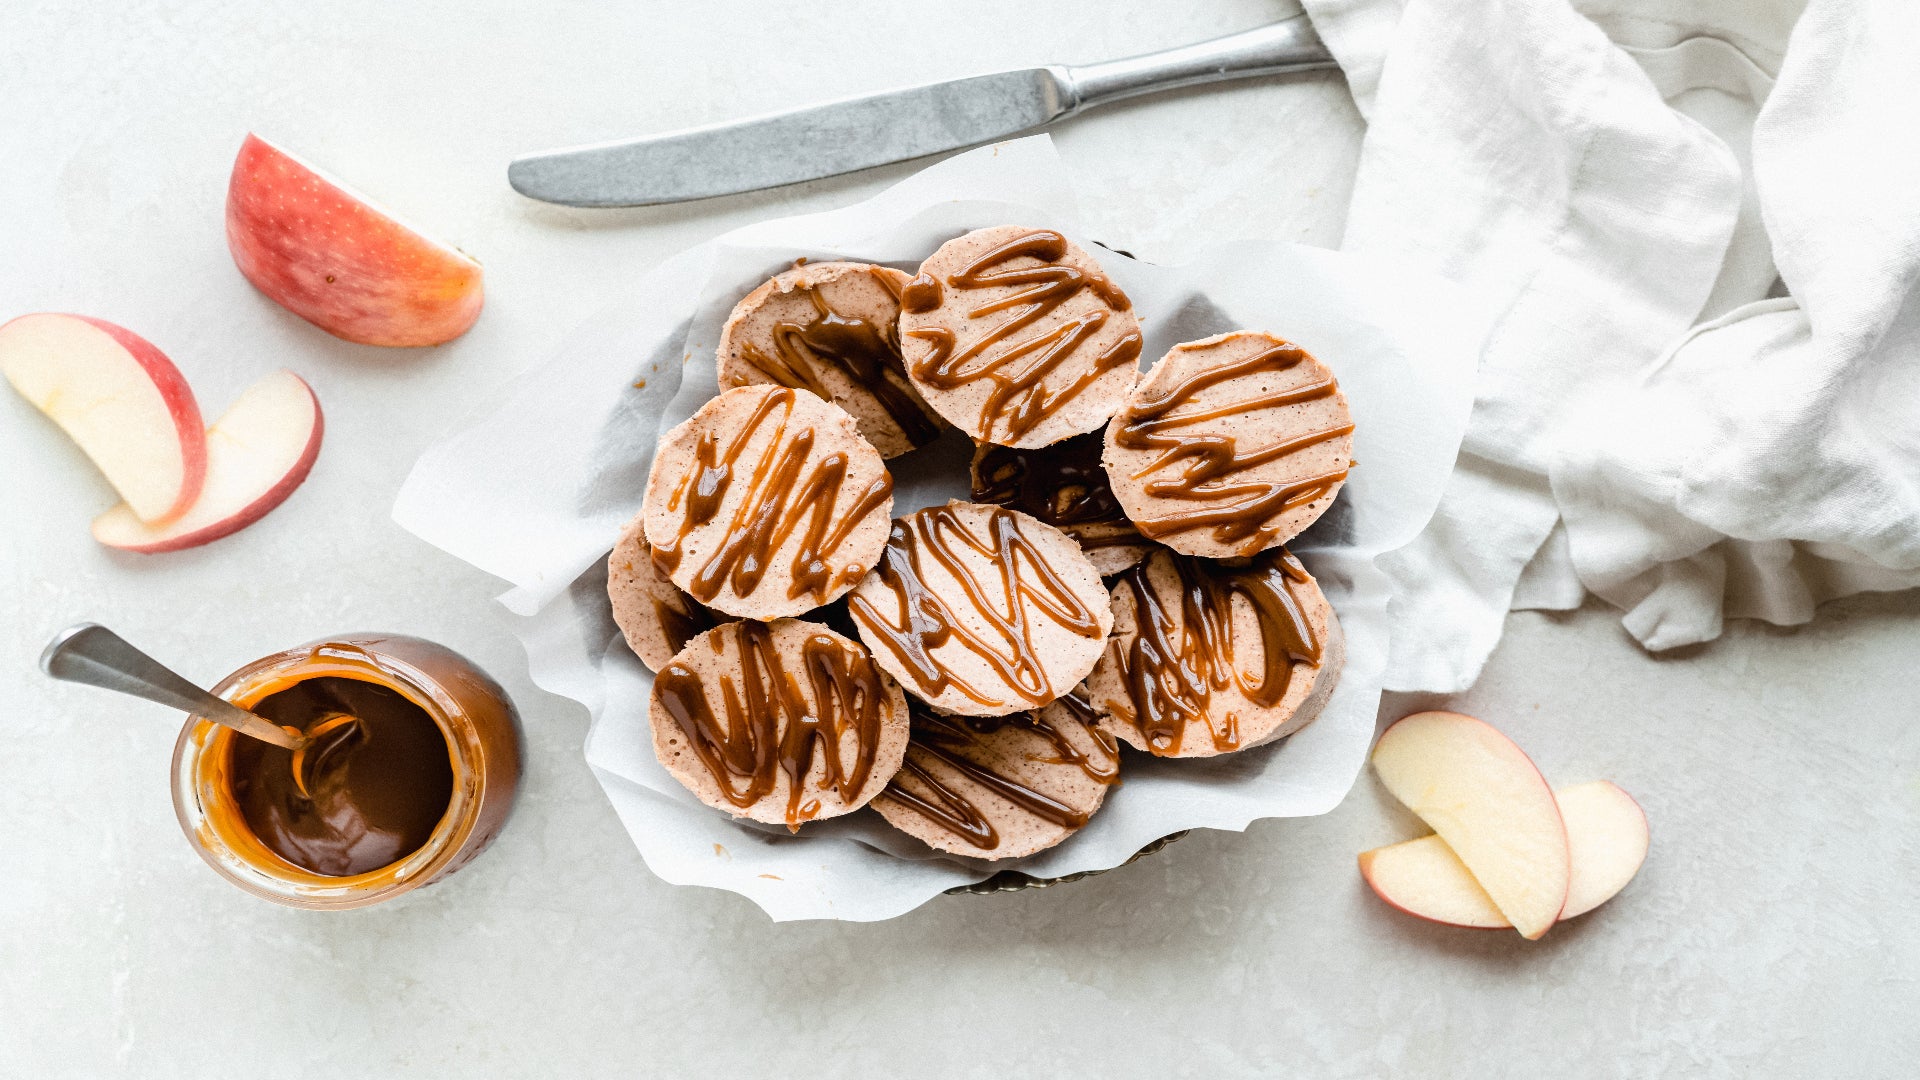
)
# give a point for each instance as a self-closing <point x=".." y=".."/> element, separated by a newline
<point x="1700" y="225"/>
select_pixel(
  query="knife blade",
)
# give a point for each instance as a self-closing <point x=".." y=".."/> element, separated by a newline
<point x="859" y="133"/>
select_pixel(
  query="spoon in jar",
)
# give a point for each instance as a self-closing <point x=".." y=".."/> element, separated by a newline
<point x="96" y="656"/>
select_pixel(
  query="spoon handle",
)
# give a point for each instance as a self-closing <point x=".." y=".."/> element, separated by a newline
<point x="92" y="654"/>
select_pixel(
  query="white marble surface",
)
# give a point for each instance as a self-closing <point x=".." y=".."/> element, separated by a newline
<point x="1769" y="935"/>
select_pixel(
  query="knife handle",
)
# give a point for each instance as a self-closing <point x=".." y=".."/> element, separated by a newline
<point x="1288" y="45"/>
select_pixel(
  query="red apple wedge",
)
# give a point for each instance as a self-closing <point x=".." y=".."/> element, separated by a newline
<point x="1608" y="837"/>
<point x="334" y="258"/>
<point x="1607" y="840"/>
<point x="120" y="399"/>
<point x="1485" y="798"/>
<point x="258" y="452"/>
<point x="1424" y="877"/>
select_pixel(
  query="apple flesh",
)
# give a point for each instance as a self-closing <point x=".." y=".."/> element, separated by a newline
<point x="1487" y="801"/>
<point x="120" y="399"/>
<point x="258" y="452"/>
<point x="1607" y="838"/>
<point x="337" y="260"/>
<point x="1424" y="877"/>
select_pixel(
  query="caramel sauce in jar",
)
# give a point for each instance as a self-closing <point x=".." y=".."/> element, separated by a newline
<point x="412" y="788"/>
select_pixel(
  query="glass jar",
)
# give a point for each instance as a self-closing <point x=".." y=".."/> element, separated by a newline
<point x="471" y="710"/>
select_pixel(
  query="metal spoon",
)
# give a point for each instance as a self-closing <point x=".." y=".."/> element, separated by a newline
<point x="92" y="654"/>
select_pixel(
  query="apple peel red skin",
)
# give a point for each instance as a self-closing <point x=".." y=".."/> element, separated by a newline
<point x="243" y="516"/>
<point x="336" y="260"/>
<point x="174" y="392"/>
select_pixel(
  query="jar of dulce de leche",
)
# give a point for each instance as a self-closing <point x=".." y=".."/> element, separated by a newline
<point x="411" y="765"/>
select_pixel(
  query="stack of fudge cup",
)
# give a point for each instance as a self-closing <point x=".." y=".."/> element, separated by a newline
<point x="970" y="670"/>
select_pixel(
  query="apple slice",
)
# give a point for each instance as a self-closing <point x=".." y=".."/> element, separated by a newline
<point x="258" y="452"/>
<point x="1424" y="877"/>
<point x="332" y="257"/>
<point x="1607" y="839"/>
<point x="1484" y="797"/>
<point x="125" y="404"/>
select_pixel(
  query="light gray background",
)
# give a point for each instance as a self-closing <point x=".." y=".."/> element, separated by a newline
<point x="1768" y="936"/>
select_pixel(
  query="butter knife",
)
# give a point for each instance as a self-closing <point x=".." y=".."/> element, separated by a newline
<point x="860" y="133"/>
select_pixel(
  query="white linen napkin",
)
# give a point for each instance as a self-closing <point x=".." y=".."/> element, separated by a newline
<point x="1649" y="424"/>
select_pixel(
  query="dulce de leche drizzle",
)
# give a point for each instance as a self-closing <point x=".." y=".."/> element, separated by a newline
<point x="1018" y="367"/>
<point x="922" y="622"/>
<point x="774" y="724"/>
<point x="1171" y="674"/>
<point x="862" y="350"/>
<point x="955" y="741"/>
<point x="777" y="502"/>
<point x="378" y="777"/>
<point x="681" y="626"/>
<point x="1063" y="485"/>
<point x="1104" y="770"/>
<point x="1239" y="513"/>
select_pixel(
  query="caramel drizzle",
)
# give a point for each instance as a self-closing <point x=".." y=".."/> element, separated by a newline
<point x="1239" y="513"/>
<point x="864" y="352"/>
<point x="770" y="725"/>
<point x="680" y="626"/>
<point x="1075" y="702"/>
<point x="942" y="805"/>
<point x="1064" y="485"/>
<point x="1171" y="674"/>
<point x="777" y="502"/>
<point x="954" y="741"/>
<point x="1020" y="397"/>
<point x="922" y="622"/>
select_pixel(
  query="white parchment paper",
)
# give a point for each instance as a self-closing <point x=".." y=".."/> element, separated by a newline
<point x="537" y="492"/>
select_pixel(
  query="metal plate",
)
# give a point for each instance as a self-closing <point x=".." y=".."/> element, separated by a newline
<point x="1014" y="881"/>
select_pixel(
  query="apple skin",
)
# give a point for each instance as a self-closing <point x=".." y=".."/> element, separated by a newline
<point x="247" y="498"/>
<point x="1483" y="796"/>
<point x="338" y="261"/>
<point x="36" y="342"/>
